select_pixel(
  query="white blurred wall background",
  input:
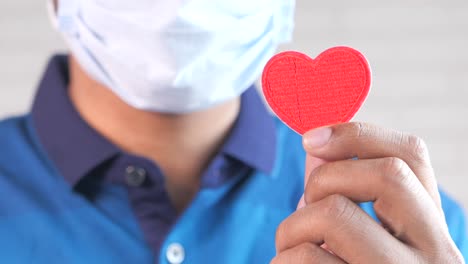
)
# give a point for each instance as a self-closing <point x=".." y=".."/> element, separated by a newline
<point x="418" y="51"/>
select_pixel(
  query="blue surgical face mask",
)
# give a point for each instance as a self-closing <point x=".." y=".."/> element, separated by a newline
<point x="174" y="56"/>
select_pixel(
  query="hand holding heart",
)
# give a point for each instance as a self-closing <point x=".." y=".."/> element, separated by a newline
<point x="393" y="171"/>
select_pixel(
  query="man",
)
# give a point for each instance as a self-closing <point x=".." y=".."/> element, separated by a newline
<point x="147" y="145"/>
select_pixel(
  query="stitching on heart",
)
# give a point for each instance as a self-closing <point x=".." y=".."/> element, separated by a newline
<point x="297" y="95"/>
<point x="278" y="110"/>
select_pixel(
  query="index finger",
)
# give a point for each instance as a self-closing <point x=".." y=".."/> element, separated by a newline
<point x="365" y="141"/>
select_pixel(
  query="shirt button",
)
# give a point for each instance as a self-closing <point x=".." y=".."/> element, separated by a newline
<point x="175" y="253"/>
<point x="135" y="176"/>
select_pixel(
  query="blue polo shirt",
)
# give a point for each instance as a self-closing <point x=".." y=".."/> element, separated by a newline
<point x="71" y="196"/>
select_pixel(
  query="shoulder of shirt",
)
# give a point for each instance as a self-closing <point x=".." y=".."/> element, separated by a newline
<point x="13" y="140"/>
<point x="12" y="130"/>
<point x="20" y="153"/>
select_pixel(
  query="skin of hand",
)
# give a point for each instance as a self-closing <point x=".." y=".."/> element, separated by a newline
<point x="393" y="170"/>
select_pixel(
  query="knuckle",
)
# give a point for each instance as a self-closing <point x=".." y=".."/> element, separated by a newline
<point x="418" y="148"/>
<point x="359" y="128"/>
<point x="336" y="206"/>
<point x="395" y="171"/>
<point x="339" y="212"/>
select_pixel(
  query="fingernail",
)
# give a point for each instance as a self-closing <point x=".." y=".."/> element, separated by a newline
<point x="318" y="137"/>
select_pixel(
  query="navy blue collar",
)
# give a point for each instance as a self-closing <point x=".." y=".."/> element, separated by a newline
<point x="76" y="149"/>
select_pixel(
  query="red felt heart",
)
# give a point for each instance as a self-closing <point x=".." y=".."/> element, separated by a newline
<point x="308" y="93"/>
